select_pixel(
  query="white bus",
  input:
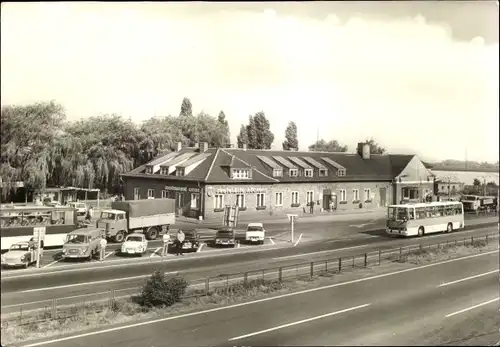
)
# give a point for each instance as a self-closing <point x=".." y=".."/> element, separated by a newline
<point x="424" y="218"/>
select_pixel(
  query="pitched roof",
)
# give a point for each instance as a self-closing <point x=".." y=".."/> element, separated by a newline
<point x="214" y="169"/>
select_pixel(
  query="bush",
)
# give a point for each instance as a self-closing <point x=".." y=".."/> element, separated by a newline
<point x="161" y="291"/>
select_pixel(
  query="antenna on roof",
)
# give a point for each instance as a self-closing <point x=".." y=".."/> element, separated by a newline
<point x="317" y="135"/>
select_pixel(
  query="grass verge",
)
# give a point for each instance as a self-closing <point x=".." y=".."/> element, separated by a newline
<point x="100" y="314"/>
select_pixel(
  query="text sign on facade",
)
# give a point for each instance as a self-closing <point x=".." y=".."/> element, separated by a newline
<point x="182" y="189"/>
<point x="223" y="191"/>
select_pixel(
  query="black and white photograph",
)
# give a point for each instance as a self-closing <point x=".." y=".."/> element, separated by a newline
<point x="294" y="173"/>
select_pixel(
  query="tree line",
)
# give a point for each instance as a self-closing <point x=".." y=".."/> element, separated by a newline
<point x="41" y="148"/>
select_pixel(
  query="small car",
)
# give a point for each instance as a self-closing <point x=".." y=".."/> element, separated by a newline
<point x="82" y="243"/>
<point x="255" y="233"/>
<point x="21" y="254"/>
<point x="135" y="243"/>
<point x="225" y="237"/>
<point x="80" y="207"/>
<point x="191" y="239"/>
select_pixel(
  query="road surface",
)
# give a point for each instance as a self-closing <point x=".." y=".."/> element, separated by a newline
<point x="417" y="306"/>
<point x="37" y="290"/>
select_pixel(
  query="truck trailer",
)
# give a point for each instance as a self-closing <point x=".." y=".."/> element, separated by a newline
<point x="151" y="217"/>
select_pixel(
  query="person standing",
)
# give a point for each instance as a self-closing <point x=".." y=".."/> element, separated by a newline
<point x="103" y="243"/>
<point x="166" y="242"/>
<point x="91" y="213"/>
<point x="180" y="242"/>
<point x="311" y="204"/>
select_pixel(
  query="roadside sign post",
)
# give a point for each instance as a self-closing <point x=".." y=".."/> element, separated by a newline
<point x="38" y="237"/>
<point x="292" y="218"/>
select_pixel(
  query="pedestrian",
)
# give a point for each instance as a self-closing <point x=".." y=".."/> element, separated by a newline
<point x="311" y="205"/>
<point x="103" y="243"/>
<point x="90" y="213"/>
<point x="180" y="241"/>
<point x="166" y="242"/>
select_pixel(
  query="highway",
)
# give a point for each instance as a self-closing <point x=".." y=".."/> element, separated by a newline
<point x="37" y="290"/>
<point x="423" y="305"/>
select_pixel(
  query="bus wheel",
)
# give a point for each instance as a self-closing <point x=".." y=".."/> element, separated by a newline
<point x="449" y="228"/>
<point x="421" y="231"/>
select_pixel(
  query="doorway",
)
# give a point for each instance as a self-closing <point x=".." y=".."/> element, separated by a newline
<point x="383" y="196"/>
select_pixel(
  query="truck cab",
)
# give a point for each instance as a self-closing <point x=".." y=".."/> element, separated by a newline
<point x="225" y="237"/>
<point x="114" y="223"/>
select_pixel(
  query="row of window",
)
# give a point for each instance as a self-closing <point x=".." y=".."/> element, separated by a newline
<point x="194" y="197"/>
<point x="436" y="211"/>
<point x="278" y="198"/>
<point x="246" y="173"/>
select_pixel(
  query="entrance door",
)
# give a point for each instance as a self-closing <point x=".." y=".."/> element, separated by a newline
<point x="327" y="198"/>
<point x="383" y="197"/>
<point x="179" y="197"/>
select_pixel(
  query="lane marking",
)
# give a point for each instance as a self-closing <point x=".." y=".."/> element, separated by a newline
<point x="298" y="322"/>
<point x="319" y="252"/>
<point x="467" y="278"/>
<point x="471" y="308"/>
<point x="90" y="283"/>
<point x="154" y="253"/>
<point x="296" y="243"/>
<point x="197" y="313"/>
<point x="108" y="254"/>
<point x="272" y="241"/>
<point x="54" y="262"/>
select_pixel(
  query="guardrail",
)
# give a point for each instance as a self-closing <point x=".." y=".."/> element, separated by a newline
<point x="63" y="308"/>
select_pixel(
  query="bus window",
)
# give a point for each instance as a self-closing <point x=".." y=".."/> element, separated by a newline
<point x="457" y="209"/>
<point x="440" y="211"/>
<point x="411" y="213"/>
<point x="420" y="212"/>
<point x="428" y="212"/>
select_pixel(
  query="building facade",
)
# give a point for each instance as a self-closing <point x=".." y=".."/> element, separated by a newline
<point x="203" y="180"/>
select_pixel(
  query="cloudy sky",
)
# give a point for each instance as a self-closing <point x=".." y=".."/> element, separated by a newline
<point x="418" y="77"/>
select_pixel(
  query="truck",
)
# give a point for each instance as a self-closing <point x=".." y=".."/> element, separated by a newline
<point x="476" y="203"/>
<point x="151" y="217"/>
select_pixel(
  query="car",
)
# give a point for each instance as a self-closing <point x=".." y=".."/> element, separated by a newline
<point x="191" y="239"/>
<point x="82" y="243"/>
<point x="21" y="254"/>
<point x="135" y="243"/>
<point x="81" y="207"/>
<point x="225" y="237"/>
<point x="255" y="233"/>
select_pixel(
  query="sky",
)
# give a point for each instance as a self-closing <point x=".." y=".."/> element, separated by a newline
<point x="418" y="77"/>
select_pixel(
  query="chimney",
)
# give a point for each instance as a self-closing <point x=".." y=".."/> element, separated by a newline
<point x="179" y="146"/>
<point x="205" y="146"/>
<point x="364" y="150"/>
<point x="244" y="146"/>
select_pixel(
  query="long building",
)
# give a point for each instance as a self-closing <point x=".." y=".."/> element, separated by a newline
<point x="203" y="180"/>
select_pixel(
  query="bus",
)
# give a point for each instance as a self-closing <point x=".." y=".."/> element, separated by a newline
<point x="424" y="218"/>
<point x="17" y="223"/>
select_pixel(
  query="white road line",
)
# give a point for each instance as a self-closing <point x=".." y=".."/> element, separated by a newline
<point x="298" y="322"/>
<point x="107" y="255"/>
<point x="296" y="243"/>
<point x="54" y="262"/>
<point x="471" y="308"/>
<point x="154" y="253"/>
<point x="272" y="241"/>
<point x="320" y="252"/>
<point x="204" y="312"/>
<point x="467" y="278"/>
<point x="90" y="283"/>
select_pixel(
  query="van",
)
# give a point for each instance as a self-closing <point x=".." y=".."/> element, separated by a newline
<point x="80" y="207"/>
<point x="83" y="243"/>
<point x="255" y="233"/>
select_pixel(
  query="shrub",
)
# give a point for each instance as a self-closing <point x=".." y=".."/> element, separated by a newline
<point x="161" y="291"/>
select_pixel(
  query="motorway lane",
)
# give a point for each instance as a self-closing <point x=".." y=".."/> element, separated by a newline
<point x="366" y="311"/>
<point x="31" y="294"/>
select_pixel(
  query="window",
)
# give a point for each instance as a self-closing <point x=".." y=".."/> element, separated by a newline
<point x="277" y="173"/>
<point x="293" y="172"/>
<point x="240" y="200"/>
<point x="420" y="212"/>
<point x="218" y="201"/>
<point x="180" y="171"/>
<point x="343" y="195"/>
<point x="341" y="172"/>
<point x="308" y="172"/>
<point x="151" y="193"/>
<point x="279" y="199"/>
<point x="195" y="200"/>
<point x="410" y="193"/>
<point x="164" y="170"/>
<point x="368" y="194"/>
<point x="137" y="194"/>
<point x="240" y="173"/>
<point x="323" y="172"/>
<point x="355" y="195"/>
<point x="149" y="169"/>
<point x="309" y="196"/>
<point x="295" y="198"/>
<point x="164" y="194"/>
<point x="261" y="200"/>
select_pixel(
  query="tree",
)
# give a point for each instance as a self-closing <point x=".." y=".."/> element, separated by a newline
<point x="375" y="148"/>
<point x="224" y="127"/>
<point x="331" y="146"/>
<point x="242" y="138"/>
<point x="476" y="182"/>
<point x="186" y="108"/>
<point x="259" y="132"/>
<point x="291" y="140"/>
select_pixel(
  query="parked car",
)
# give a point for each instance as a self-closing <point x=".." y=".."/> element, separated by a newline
<point x="82" y="243"/>
<point x="135" y="243"/>
<point x="255" y="233"/>
<point x="225" y="237"/>
<point x="81" y="207"/>
<point x="21" y="254"/>
<point x="191" y="239"/>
